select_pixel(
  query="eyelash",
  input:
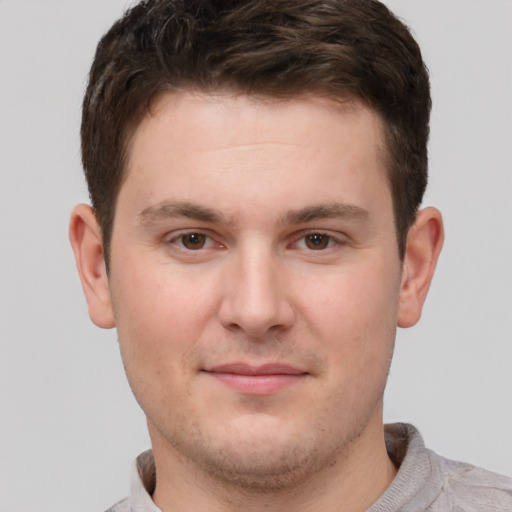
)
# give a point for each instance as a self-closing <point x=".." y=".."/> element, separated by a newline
<point x="320" y="237"/>
<point x="178" y="241"/>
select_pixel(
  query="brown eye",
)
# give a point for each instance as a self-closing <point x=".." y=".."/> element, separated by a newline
<point x="317" y="241"/>
<point x="193" y="241"/>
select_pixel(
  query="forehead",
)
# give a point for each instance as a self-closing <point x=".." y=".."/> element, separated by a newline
<point x="203" y="118"/>
<point x="202" y="143"/>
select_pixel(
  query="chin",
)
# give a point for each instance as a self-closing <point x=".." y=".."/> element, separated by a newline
<point x="257" y="453"/>
<point x="269" y="467"/>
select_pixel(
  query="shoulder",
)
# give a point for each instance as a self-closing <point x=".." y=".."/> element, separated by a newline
<point x="428" y="482"/>
<point x="121" y="506"/>
<point x="467" y="488"/>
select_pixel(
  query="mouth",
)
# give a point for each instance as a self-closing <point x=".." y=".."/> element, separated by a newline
<point x="266" y="379"/>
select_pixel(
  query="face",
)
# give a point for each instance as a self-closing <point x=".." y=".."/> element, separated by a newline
<point x="255" y="281"/>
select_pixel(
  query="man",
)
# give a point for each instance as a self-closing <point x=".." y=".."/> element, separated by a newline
<point x="256" y="170"/>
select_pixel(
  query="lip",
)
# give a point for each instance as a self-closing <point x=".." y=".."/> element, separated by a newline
<point x="266" y="379"/>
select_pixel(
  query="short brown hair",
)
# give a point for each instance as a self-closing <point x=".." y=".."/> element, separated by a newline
<point x="276" y="48"/>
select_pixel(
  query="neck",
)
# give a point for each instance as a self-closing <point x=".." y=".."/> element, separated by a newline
<point x="352" y="484"/>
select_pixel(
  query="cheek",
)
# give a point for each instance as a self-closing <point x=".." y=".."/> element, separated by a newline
<point x="354" y="313"/>
<point x="159" y="318"/>
<point x="156" y="335"/>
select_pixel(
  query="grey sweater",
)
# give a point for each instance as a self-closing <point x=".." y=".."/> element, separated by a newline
<point x="425" y="481"/>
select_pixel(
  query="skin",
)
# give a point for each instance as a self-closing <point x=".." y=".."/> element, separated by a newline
<point x="256" y="287"/>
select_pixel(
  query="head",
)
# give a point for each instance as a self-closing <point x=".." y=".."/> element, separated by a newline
<point x="255" y="169"/>
<point x="340" y="49"/>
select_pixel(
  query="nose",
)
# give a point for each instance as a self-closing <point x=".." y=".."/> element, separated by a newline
<point x="255" y="299"/>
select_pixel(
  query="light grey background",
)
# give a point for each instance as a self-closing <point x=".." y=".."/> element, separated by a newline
<point x="69" y="426"/>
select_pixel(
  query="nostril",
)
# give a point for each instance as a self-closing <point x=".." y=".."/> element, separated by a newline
<point x="256" y="324"/>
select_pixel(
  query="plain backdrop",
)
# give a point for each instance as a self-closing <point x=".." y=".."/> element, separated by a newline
<point x="69" y="426"/>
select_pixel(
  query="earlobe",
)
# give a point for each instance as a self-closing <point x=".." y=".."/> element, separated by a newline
<point x="86" y="240"/>
<point x="424" y="243"/>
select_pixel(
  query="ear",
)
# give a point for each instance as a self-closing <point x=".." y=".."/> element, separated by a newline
<point x="86" y="240"/>
<point x="424" y="243"/>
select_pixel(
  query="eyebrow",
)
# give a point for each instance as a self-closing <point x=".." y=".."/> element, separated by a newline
<point x="170" y="209"/>
<point x="325" y="211"/>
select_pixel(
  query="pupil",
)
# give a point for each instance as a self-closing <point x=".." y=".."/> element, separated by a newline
<point x="317" y="241"/>
<point x="193" y="241"/>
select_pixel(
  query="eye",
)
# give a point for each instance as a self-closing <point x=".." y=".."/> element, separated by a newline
<point x="193" y="246"/>
<point x="317" y="241"/>
<point x="193" y="241"/>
